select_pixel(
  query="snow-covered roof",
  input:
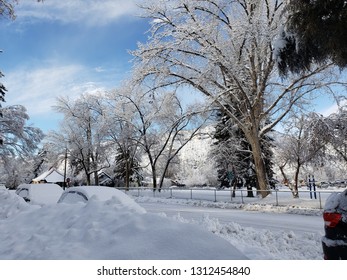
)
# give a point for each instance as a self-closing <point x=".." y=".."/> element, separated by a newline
<point x="50" y="176"/>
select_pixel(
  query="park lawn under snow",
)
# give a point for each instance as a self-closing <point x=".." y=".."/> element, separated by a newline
<point x="102" y="230"/>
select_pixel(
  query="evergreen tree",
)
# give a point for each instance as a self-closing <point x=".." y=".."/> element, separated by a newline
<point x="127" y="167"/>
<point x="221" y="136"/>
<point x="315" y="33"/>
<point x="233" y="154"/>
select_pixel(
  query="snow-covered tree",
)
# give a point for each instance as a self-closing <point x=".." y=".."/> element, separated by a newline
<point x="83" y="135"/>
<point x="15" y="171"/>
<point x="224" y="147"/>
<point x="162" y="124"/>
<point x="20" y="142"/>
<point x="2" y="91"/>
<point x="7" y="8"/>
<point x="123" y="136"/>
<point x="233" y="154"/>
<point x="225" y="50"/>
<point x="315" y="32"/>
<point x="20" y="139"/>
<point x="304" y="142"/>
<point x="337" y="124"/>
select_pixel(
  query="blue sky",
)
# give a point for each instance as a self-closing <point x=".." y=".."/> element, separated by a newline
<point x="66" y="48"/>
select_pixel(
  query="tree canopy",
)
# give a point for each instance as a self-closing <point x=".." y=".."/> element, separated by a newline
<point x="19" y="139"/>
<point x="224" y="50"/>
<point x="315" y="32"/>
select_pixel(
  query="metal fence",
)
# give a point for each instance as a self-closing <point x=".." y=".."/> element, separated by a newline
<point x="278" y="197"/>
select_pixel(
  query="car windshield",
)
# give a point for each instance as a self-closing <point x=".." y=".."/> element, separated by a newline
<point x="23" y="193"/>
<point x="73" y="197"/>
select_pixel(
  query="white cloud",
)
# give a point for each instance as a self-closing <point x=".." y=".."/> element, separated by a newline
<point x="88" y="12"/>
<point x="333" y="108"/>
<point x="330" y="110"/>
<point x="37" y="89"/>
<point x="99" y="69"/>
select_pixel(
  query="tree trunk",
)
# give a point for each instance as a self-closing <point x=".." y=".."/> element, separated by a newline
<point x="296" y="180"/>
<point x="154" y="178"/>
<point x="166" y="167"/>
<point x="96" y="178"/>
<point x="234" y="189"/>
<point x="259" y="166"/>
<point x="88" y="179"/>
<point x="154" y="170"/>
<point x="127" y="174"/>
<point x="285" y="178"/>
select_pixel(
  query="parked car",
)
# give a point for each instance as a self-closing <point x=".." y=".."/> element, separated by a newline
<point x="335" y="224"/>
<point x="41" y="194"/>
<point x="85" y="193"/>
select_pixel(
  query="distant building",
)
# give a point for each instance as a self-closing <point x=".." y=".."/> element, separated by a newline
<point x="50" y="176"/>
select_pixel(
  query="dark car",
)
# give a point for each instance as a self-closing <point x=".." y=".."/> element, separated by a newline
<point x="335" y="224"/>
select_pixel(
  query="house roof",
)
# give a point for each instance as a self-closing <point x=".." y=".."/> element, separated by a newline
<point x="50" y="176"/>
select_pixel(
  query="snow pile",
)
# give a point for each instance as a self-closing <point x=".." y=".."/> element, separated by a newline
<point x="11" y="204"/>
<point x="114" y="196"/>
<point x="101" y="230"/>
<point x="255" y="243"/>
<point x="104" y="230"/>
<point x="264" y="244"/>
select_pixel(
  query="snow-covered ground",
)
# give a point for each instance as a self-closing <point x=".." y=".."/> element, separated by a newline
<point x="197" y="234"/>
<point x="258" y="231"/>
<point x="101" y="230"/>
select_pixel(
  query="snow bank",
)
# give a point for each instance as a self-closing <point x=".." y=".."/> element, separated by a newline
<point x="255" y="243"/>
<point x="264" y="244"/>
<point x="11" y="204"/>
<point x="101" y="230"/>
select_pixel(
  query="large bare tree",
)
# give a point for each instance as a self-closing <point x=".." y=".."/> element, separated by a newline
<point x="304" y="142"/>
<point x="83" y="133"/>
<point x="226" y="51"/>
<point x="161" y="126"/>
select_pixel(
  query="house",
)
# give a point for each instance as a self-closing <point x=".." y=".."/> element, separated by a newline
<point x="50" y="176"/>
<point x="105" y="179"/>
